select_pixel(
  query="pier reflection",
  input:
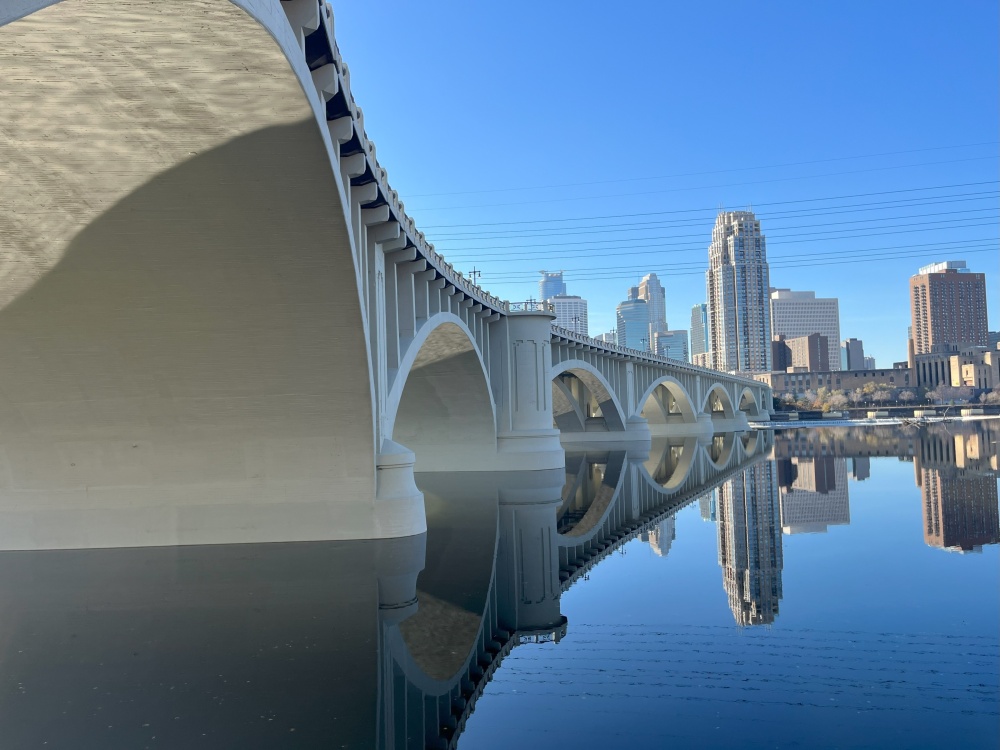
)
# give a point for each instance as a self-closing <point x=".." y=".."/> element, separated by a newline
<point x="391" y="643"/>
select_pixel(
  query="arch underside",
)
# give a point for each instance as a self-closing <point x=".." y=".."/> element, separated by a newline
<point x="445" y="412"/>
<point x="583" y="401"/>
<point x="184" y="353"/>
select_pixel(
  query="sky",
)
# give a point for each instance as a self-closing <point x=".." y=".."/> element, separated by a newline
<point x="602" y="139"/>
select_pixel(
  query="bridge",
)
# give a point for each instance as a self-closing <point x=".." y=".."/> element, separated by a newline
<point x="219" y="324"/>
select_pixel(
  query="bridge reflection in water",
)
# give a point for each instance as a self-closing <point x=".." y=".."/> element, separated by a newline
<point x="390" y="643"/>
<point x="372" y="643"/>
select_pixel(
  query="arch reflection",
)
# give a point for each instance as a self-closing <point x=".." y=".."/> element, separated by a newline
<point x="385" y="644"/>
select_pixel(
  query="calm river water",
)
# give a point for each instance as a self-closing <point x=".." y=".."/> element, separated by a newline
<point x="810" y="588"/>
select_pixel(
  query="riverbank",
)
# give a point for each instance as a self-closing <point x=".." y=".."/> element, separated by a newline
<point x="865" y="422"/>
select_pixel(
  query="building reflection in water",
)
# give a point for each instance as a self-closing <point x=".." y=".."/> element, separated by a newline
<point x="661" y="536"/>
<point x="390" y="644"/>
<point x="750" y="550"/>
<point x="813" y="493"/>
<point x="385" y="644"/>
<point x="957" y="476"/>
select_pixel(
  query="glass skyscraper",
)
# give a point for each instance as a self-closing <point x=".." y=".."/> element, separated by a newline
<point x="633" y="324"/>
<point x="551" y="285"/>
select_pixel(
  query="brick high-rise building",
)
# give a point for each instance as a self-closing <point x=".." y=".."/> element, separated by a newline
<point x="948" y="306"/>
<point x="738" y="286"/>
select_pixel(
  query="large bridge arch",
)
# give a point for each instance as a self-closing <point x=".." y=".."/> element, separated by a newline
<point x="567" y="413"/>
<point x="665" y="398"/>
<point x="440" y="405"/>
<point x="180" y="296"/>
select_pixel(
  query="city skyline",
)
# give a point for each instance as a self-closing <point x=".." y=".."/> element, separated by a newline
<point x="854" y="201"/>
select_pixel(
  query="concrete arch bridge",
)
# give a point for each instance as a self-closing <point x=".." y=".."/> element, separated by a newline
<point x="218" y="323"/>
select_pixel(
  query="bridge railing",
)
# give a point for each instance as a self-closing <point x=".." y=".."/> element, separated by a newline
<point x="531" y="306"/>
<point x="646" y="356"/>
<point x="414" y="237"/>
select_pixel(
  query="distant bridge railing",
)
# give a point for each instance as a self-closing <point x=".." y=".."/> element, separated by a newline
<point x="645" y="356"/>
<point x="531" y="306"/>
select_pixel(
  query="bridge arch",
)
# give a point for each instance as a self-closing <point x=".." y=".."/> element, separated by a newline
<point x="667" y="398"/>
<point x="749" y="404"/>
<point x="440" y="405"/>
<point x="721" y="449"/>
<point x="670" y="461"/>
<point x="572" y="409"/>
<point x="718" y="404"/>
<point x="188" y="261"/>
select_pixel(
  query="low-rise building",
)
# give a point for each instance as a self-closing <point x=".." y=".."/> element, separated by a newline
<point x="798" y="383"/>
<point x="958" y="366"/>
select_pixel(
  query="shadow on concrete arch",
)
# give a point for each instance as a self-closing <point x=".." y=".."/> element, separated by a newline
<point x="194" y="368"/>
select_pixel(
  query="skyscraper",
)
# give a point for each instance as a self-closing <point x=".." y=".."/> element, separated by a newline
<point x="672" y="344"/>
<point x="633" y="324"/>
<point x="852" y="355"/>
<point x="948" y="306"/>
<point x="738" y="285"/>
<point x="795" y="314"/>
<point x="750" y="552"/>
<point x="571" y="313"/>
<point x="699" y="330"/>
<point x="651" y="290"/>
<point x="551" y="284"/>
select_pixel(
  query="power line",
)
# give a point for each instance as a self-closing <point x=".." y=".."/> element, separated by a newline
<point x="689" y="188"/>
<point x="811" y="236"/>
<point x="772" y="231"/>
<point x="795" y="213"/>
<point x="694" y="210"/>
<point x="781" y="260"/>
<point x="699" y="174"/>
<point x="669" y="273"/>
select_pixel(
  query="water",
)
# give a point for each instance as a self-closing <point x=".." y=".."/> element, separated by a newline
<point x="818" y="588"/>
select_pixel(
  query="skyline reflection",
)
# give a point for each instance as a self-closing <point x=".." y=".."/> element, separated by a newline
<point x="392" y="643"/>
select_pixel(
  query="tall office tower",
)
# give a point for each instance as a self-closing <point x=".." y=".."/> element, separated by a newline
<point x="551" y="284"/>
<point x="699" y="330"/>
<point x="960" y="509"/>
<point x="795" y="314"/>
<point x="817" y="497"/>
<point x="869" y="363"/>
<point x="948" y="305"/>
<point x="651" y="290"/>
<point x="738" y="283"/>
<point x="633" y="324"/>
<point x="750" y="551"/>
<point x="672" y="344"/>
<point x="571" y="313"/>
<point x="852" y="355"/>
<point x="609" y="337"/>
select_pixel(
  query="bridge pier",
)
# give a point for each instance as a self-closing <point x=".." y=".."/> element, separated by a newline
<point x="399" y="504"/>
<point x="526" y="439"/>
<point x="527" y="568"/>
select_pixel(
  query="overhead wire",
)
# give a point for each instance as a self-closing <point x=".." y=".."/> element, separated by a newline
<point x="647" y="178"/>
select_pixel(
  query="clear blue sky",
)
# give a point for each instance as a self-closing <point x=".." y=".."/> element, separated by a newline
<point x="864" y="135"/>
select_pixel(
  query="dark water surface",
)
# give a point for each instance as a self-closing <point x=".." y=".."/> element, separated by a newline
<point x="817" y="588"/>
